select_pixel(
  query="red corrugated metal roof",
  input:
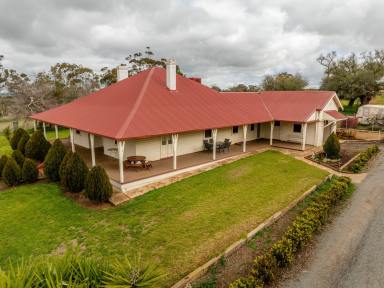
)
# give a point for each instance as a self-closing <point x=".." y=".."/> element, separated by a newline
<point x="142" y="106"/>
<point x="336" y="114"/>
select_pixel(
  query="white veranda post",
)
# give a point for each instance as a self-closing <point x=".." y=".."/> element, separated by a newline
<point x="34" y="125"/>
<point x="71" y="138"/>
<point x="57" y="132"/>
<point x="120" y="151"/>
<point x="244" y="138"/>
<point x="175" y="138"/>
<point x="44" y="130"/>
<point x="214" y="136"/>
<point x="92" y="142"/>
<point x="271" y="134"/>
<point x="304" y="126"/>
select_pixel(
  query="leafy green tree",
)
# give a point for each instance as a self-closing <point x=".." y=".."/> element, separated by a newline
<point x="53" y="160"/>
<point x="17" y="135"/>
<point x="37" y="146"/>
<point x="29" y="172"/>
<point x="3" y="161"/>
<point x="75" y="173"/>
<point x="332" y="147"/>
<point x="22" y="142"/>
<point x="284" y="82"/>
<point x="19" y="157"/>
<point x="243" y="88"/>
<point x="353" y="77"/>
<point x="136" y="62"/>
<point x="11" y="173"/>
<point x="97" y="185"/>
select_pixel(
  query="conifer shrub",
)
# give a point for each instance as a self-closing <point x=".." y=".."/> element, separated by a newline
<point x="75" y="173"/>
<point x="17" y="134"/>
<point x="53" y="160"/>
<point x="332" y="147"/>
<point x="22" y="142"/>
<point x="19" y="157"/>
<point x="11" y="173"/>
<point x="29" y="172"/>
<point x="37" y="146"/>
<point x="63" y="168"/>
<point x="3" y="161"/>
<point x="97" y="185"/>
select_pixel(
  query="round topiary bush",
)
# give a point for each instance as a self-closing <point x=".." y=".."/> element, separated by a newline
<point x="19" y="157"/>
<point x="22" y="142"/>
<point x="37" y="146"/>
<point x="332" y="147"/>
<point x="53" y="160"/>
<point x="3" y="161"/>
<point x="97" y="185"/>
<point x="11" y="173"/>
<point x="29" y="172"/>
<point x="75" y="173"/>
<point x="17" y="134"/>
<point x="63" y="168"/>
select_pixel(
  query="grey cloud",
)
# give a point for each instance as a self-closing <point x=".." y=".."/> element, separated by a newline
<point x="226" y="42"/>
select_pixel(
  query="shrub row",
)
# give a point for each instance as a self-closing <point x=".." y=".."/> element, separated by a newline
<point x="74" y="270"/>
<point x="362" y="160"/>
<point x="283" y="252"/>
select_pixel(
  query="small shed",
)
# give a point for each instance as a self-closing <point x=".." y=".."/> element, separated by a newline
<point x="367" y="113"/>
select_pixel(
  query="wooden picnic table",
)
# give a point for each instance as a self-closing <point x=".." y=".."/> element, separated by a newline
<point x="135" y="159"/>
<point x="138" y="162"/>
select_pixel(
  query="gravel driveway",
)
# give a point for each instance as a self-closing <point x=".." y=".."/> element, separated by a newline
<point x="350" y="252"/>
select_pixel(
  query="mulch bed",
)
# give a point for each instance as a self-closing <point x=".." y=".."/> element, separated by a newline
<point x="348" y="150"/>
<point x="84" y="202"/>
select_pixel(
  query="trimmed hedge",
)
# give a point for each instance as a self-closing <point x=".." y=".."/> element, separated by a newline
<point x="37" y="146"/>
<point x="75" y="173"/>
<point x="17" y="134"/>
<point x="29" y="172"/>
<point x="19" y="157"/>
<point x="97" y="185"/>
<point x="3" y="161"/>
<point x="11" y="173"/>
<point x="284" y="251"/>
<point x="23" y="142"/>
<point x="53" y="160"/>
<point x="361" y="161"/>
<point x="332" y="147"/>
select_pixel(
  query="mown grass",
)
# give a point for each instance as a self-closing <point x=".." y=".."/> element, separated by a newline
<point x="178" y="227"/>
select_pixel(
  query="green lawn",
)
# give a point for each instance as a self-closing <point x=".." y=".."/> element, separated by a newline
<point x="179" y="227"/>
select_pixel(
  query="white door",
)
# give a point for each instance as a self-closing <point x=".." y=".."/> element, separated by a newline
<point x="166" y="147"/>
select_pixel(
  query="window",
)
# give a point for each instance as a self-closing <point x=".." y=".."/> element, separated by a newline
<point x="208" y="133"/>
<point x="252" y="127"/>
<point x="235" y="129"/>
<point x="297" y="128"/>
<point x="277" y="123"/>
<point x="77" y="131"/>
<point x="116" y="142"/>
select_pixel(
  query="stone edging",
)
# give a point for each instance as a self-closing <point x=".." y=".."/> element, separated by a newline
<point x="200" y="271"/>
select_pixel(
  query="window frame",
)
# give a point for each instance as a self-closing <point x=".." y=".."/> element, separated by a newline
<point x="252" y="127"/>
<point x="277" y="123"/>
<point x="297" y="125"/>
<point x="205" y="133"/>
<point x="235" y="129"/>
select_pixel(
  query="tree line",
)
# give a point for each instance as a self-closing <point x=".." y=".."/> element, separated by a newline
<point x="352" y="77"/>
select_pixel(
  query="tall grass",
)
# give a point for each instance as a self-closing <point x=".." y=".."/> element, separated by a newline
<point x="74" y="270"/>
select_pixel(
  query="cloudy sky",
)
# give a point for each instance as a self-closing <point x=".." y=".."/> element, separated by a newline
<point x="225" y="42"/>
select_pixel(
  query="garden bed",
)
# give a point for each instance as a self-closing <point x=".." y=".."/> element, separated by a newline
<point x="349" y="150"/>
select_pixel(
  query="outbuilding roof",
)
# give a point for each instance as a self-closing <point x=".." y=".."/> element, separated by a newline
<point x="142" y="106"/>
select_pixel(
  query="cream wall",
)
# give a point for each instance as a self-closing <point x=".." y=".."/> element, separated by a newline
<point x="81" y="138"/>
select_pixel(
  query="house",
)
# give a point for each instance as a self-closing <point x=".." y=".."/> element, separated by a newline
<point x="160" y="114"/>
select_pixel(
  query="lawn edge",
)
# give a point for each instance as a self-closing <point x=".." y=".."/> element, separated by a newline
<point x="201" y="270"/>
